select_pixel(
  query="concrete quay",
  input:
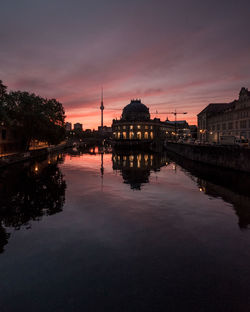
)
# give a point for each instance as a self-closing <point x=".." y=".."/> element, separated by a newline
<point x="232" y="157"/>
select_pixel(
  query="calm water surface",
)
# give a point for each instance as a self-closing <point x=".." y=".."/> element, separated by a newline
<point x="123" y="232"/>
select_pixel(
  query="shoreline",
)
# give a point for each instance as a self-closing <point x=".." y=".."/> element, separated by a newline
<point x="26" y="156"/>
<point x="229" y="157"/>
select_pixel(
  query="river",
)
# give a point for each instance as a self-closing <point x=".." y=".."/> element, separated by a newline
<point x="109" y="231"/>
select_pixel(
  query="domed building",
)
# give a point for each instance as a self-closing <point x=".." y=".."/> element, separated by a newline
<point x="135" y="111"/>
<point x="136" y="127"/>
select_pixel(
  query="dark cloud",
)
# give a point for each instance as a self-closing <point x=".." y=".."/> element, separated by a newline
<point x="180" y="53"/>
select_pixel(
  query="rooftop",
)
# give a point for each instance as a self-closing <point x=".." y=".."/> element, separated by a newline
<point x="215" y="108"/>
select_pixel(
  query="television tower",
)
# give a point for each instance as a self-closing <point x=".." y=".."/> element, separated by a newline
<point x="102" y="108"/>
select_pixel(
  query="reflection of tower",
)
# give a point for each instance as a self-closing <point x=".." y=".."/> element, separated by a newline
<point x="102" y="168"/>
<point x="102" y="108"/>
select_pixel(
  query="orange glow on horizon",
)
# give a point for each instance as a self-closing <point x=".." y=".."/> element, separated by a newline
<point x="92" y="119"/>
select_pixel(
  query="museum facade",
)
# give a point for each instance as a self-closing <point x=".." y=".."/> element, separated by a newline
<point x="135" y="125"/>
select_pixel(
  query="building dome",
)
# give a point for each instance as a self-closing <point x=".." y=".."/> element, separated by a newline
<point x="135" y="111"/>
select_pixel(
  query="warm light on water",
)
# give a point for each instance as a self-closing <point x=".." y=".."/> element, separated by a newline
<point x="123" y="232"/>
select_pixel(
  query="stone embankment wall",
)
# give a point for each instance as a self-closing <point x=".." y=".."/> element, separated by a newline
<point x="237" y="158"/>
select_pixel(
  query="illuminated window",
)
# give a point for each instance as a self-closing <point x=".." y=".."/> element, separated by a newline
<point x="131" y="157"/>
<point x="151" y="160"/>
<point x="124" y="135"/>
<point x="124" y="127"/>
<point x="151" y="127"/>
<point x="146" y="157"/>
<point x="131" y="135"/>
<point x="146" y="127"/>
<point x="138" y="135"/>
<point x="124" y="157"/>
<point x="138" y="127"/>
<point x="119" y="127"/>
<point x="118" y="135"/>
<point x="138" y="157"/>
<point x="151" y="135"/>
<point x="131" y="127"/>
<point x="146" y="135"/>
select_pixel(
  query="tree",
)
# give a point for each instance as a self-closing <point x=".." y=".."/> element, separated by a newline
<point x="34" y="117"/>
<point x="3" y="96"/>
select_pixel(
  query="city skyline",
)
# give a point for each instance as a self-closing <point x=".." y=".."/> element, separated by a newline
<point x="171" y="55"/>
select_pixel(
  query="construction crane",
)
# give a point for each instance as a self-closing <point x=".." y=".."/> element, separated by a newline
<point x="175" y="113"/>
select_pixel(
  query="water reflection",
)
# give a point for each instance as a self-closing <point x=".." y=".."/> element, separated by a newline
<point x="32" y="190"/>
<point x="28" y="192"/>
<point x="233" y="187"/>
<point x="135" y="168"/>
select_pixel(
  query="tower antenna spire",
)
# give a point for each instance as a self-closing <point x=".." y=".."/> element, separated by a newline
<point x="102" y="108"/>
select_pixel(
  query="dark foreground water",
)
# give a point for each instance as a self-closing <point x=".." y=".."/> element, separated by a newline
<point x="123" y="232"/>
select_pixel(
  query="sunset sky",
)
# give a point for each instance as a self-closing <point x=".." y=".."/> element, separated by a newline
<point x="172" y="54"/>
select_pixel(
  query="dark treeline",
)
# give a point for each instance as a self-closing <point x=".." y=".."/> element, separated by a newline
<point x="32" y="117"/>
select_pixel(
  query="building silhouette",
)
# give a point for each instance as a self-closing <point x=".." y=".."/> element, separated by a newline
<point x="230" y="119"/>
<point x="136" y="126"/>
<point x="78" y="126"/>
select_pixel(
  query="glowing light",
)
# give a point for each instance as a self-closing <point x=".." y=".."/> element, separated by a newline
<point x="131" y="135"/>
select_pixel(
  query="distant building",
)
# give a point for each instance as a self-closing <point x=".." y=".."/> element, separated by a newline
<point x="230" y="119"/>
<point x="68" y="126"/>
<point x="193" y="131"/>
<point x="180" y="124"/>
<point x="105" y="130"/>
<point x="78" y="126"/>
<point x="136" y="126"/>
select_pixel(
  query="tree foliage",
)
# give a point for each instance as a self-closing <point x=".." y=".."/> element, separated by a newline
<point x="3" y="99"/>
<point x="34" y="117"/>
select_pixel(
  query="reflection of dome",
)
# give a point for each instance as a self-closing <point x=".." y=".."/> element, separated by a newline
<point x="136" y="167"/>
<point x="135" y="111"/>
